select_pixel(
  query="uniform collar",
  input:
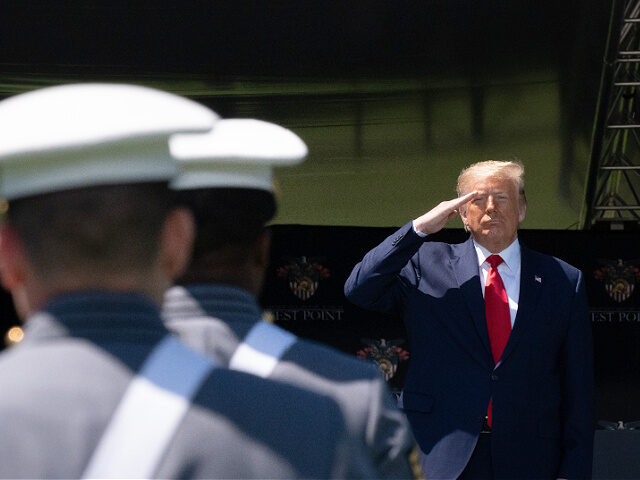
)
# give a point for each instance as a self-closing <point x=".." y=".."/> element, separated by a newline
<point x="222" y="301"/>
<point x="95" y="313"/>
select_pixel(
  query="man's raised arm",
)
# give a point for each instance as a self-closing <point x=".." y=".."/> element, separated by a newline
<point x="374" y="281"/>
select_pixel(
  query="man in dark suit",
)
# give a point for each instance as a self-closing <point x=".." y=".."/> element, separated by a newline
<point x="500" y="386"/>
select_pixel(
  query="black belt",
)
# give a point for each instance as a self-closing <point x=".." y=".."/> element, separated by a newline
<point x="485" y="426"/>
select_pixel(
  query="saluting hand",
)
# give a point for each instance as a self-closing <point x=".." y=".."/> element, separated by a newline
<point x="435" y="219"/>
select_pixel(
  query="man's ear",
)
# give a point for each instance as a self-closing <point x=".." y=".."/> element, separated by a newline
<point x="522" y="210"/>
<point x="176" y="243"/>
<point x="13" y="259"/>
<point x="462" y="210"/>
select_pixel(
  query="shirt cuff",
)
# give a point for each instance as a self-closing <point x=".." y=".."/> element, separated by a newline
<point x="420" y="234"/>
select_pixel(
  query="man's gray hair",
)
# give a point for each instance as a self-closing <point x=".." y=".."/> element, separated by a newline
<point x="509" y="170"/>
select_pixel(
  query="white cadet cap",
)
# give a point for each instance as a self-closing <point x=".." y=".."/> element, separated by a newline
<point x="237" y="153"/>
<point x="80" y="135"/>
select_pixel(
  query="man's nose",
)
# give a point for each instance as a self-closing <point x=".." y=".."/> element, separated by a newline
<point x="490" y="204"/>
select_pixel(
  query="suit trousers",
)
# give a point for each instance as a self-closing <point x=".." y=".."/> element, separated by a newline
<point x="479" y="466"/>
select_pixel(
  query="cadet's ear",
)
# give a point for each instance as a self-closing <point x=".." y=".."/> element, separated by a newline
<point x="176" y="245"/>
<point x="13" y="260"/>
<point x="263" y="248"/>
<point x="15" y="270"/>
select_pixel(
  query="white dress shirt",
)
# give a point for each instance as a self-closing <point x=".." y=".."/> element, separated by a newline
<point x="509" y="270"/>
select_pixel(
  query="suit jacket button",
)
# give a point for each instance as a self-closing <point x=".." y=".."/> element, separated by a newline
<point x="494" y="377"/>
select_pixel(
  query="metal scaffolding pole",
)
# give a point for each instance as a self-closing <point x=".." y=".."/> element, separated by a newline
<point x="612" y="194"/>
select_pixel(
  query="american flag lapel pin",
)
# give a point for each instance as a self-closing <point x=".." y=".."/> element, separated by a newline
<point x="537" y="278"/>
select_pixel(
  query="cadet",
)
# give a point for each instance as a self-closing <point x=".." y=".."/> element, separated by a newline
<point x="226" y="180"/>
<point x="97" y="388"/>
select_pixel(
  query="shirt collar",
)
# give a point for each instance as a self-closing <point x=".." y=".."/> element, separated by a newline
<point x="510" y="255"/>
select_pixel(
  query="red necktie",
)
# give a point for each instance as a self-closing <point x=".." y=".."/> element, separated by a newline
<point x="496" y="305"/>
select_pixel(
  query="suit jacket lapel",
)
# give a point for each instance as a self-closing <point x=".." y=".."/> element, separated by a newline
<point x="530" y="286"/>
<point x="464" y="262"/>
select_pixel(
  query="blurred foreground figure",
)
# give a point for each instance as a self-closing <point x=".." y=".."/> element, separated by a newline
<point x="98" y="388"/>
<point x="500" y="383"/>
<point x="226" y="180"/>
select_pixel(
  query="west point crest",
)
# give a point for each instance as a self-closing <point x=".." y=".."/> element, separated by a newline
<point x="386" y="354"/>
<point x="619" y="278"/>
<point x="303" y="276"/>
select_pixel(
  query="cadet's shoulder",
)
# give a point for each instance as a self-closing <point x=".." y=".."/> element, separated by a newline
<point x="332" y="361"/>
<point x="224" y="389"/>
<point x="317" y="358"/>
<point x="257" y="425"/>
<point x="264" y="408"/>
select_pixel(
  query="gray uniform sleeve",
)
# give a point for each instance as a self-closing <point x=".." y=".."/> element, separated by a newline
<point x="389" y="435"/>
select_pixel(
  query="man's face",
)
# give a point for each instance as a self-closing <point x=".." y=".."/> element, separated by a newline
<point x="494" y="215"/>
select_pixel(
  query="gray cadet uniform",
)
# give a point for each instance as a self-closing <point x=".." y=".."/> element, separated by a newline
<point x="225" y="321"/>
<point x="217" y="319"/>
<point x="98" y="388"/>
<point x="62" y="384"/>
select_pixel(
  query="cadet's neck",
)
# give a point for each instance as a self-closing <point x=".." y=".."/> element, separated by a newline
<point x="242" y="276"/>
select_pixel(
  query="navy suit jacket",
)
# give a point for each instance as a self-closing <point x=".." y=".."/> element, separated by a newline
<point x="542" y="388"/>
